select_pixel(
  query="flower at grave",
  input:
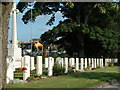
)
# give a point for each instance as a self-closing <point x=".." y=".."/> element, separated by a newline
<point x="24" y="68"/>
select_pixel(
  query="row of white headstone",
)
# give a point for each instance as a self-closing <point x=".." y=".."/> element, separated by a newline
<point x="79" y="63"/>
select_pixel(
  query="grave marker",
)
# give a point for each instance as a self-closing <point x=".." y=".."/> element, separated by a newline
<point x="32" y="63"/>
<point x="50" y="67"/>
<point x="46" y="62"/>
<point x="77" y="64"/>
<point x="66" y="65"/>
<point x="39" y="65"/>
<point x="85" y="62"/>
<point x="82" y="63"/>
<point x="26" y="74"/>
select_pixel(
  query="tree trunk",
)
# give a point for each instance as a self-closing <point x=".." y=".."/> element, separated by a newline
<point x="6" y="9"/>
<point x="81" y="45"/>
<point x="84" y="20"/>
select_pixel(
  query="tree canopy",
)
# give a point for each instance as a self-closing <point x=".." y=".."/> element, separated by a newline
<point x="91" y="29"/>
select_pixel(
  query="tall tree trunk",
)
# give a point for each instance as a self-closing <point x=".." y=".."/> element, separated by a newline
<point x="81" y="45"/>
<point x="83" y="20"/>
<point x="79" y="35"/>
<point x="6" y="9"/>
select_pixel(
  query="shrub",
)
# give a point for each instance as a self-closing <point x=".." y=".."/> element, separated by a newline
<point x="57" y="70"/>
<point x="110" y="63"/>
<point x="32" y="78"/>
<point x="98" y="66"/>
<point x="70" y="70"/>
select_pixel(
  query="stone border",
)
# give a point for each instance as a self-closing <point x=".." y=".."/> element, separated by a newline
<point x="110" y="84"/>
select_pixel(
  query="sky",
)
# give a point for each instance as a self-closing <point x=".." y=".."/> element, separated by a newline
<point x="26" y="32"/>
<point x="37" y="28"/>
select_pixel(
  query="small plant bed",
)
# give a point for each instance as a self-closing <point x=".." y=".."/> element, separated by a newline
<point x="84" y="79"/>
<point x="58" y="70"/>
<point x="36" y="77"/>
<point x="110" y="64"/>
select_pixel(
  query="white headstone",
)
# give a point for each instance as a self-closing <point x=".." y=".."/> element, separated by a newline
<point x="110" y="60"/>
<point x="115" y="60"/>
<point x="98" y="62"/>
<point x="32" y="67"/>
<point x="85" y="62"/>
<point x="62" y="62"/>
<point x="66" y="65"/>
<point x="106" y="61"/>
<point x="27" y="65"/>
<point x="59" y="61"/>
<point x="46" y="62"/>
<point x="101" y="62"/>
<point x="92" y="63"/>
<point x="39" y="65"/>
<point x="25" y="75"/>
<point x="82" y="64"/>
<point x="89" y="62"/>
<point x="50" y="67"/>
<point x="72" y="62"/>
<point x="52" y="61"/>
<point x="77" y="64"/>
<point x="95" y="63"/>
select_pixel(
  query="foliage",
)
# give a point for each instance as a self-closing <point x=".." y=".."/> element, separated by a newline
<point x="88" y="27"/>
<point x="70" y="70"/>
<point x="36" y="77"/>
<point x="107" y="38"/>
<point x="110" y="63"/>
<point x="57" y="70"/>
<point x="32" y="78"/>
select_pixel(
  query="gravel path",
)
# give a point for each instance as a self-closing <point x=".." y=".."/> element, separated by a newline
<point x="110" y="84"/>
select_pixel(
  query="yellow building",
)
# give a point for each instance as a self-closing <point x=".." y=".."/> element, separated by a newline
<point x="37" y="45"/>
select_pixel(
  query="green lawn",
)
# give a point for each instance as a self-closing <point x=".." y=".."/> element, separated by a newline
<point x="75" y="80"/>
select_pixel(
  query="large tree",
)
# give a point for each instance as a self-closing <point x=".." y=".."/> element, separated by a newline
<point x="77" y="14"/>
<point x="6" y="9"/>
<point x="100" y="35"/>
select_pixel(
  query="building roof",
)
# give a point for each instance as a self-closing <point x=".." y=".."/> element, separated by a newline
<point x="38" y="45"/>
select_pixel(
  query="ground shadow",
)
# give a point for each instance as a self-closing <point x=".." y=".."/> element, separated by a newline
<point x="102" y="76"/>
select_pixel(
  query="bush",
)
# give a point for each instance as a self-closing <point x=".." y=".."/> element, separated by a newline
<point x="98" y="66"/>
<point x="32" y="78"/>
<point x="70" y="70"/>
<point x="57" y="70"/>
<point x="110" y="63"/>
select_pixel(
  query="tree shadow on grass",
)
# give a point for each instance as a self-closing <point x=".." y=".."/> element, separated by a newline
<point x="102" y="76"/>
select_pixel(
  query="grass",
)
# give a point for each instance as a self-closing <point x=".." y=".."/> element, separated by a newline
<point x="75" y="80"/>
